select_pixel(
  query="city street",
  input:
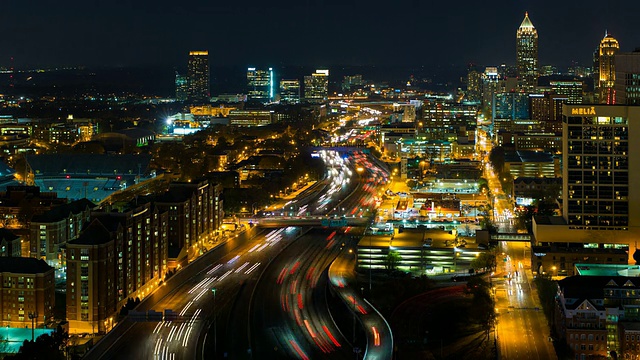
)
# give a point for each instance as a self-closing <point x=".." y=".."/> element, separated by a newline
<point x="522" y="329"/>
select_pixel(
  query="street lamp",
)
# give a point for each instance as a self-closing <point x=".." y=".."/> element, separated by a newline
<point x="33" y="316"/>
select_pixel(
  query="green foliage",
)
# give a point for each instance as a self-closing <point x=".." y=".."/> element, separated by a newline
<point x="482" y="302"/>
<point x="547" y="291"/>
<point x="487" y="224"/>
<point x="392" y="260"/>
<point x="486" y="260"/>
<point x="496" y="157"/>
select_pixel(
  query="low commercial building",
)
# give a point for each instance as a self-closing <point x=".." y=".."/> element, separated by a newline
<point x="419" y="250"/>
<point x="28" y="290"/>
<point x="561" y="261"/>
<point x="532" y="164"/>
<point x="250" y="117"/>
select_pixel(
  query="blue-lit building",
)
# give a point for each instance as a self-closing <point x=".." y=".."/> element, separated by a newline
<point x="260" y="84"/>
<point x="182" y="87"/>
<point x="510" y="105"/>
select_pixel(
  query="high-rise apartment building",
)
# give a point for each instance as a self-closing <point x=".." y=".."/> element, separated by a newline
<point x="182" y="87"/>
<point x="527" y="55"/>
<point x="260" y="85"/>
<point x="198" y="76"/>
<point x="119" y="255"/>
<point x="28" y="287"/>
<point x="605" y="84"/>
<point x="51" y="231"/>
<point x="627" y="84"/>
<point x="316" y="86"/>
<point x="290" y="91"/>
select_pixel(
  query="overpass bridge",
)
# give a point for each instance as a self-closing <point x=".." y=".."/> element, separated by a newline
<point x="316" y="221"/>
<point x="511" y="237"/>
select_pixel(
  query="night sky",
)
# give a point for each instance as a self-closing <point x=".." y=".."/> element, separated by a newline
<point x="45" y="33"/>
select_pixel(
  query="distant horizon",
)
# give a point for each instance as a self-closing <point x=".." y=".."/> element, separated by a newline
<point x="42" y="34"/>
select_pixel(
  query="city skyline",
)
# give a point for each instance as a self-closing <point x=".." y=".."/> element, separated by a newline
<point x="137" y="34"/>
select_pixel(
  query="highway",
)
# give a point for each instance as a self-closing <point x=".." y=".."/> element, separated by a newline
<point x="522" y="328"/>
<point x="379" y="338"/>
<point x="289" y="312"/>
<point x="209" y="324"/>
<point x="193" y="300"/>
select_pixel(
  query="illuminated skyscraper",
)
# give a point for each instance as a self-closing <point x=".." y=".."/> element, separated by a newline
<point x="260" y="84"/>
<point x="316" y="86"/>
<point x="474" y="85"/>
<point x="198" y="75"/>
<point x="607" y="70"/>
<point x="290" y="91"/>
<point x="182" y="87"/>
<point x="527" y="55"/>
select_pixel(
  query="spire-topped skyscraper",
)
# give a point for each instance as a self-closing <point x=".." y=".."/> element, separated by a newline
<point x="527" y="55"/>
<point x="606" y="80"/>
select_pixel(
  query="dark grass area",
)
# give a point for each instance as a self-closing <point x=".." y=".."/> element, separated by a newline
<point x="442" y="326"/>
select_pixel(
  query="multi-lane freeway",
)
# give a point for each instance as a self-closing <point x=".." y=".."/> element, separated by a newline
<point x="215" y="299"/>
<point x="193" y="301"/>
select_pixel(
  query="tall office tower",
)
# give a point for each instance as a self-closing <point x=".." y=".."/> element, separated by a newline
<point x="290" y="91"/>
<point x="490" y="81"/>
<point x="198" y="75"/>
<point x="260" y="85"/>
<point x="527" y="55"/>
<point x="605" y="91"/>
<point x="182" y="87"/>
<point x="571" y="89"/>
<point x="627" y="85"/>
<point x="474" y="85"/>
<point x="316" y="86"/>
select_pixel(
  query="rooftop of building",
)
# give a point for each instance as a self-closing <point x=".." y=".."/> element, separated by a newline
<point x="526" y="23"/>
<point x="528" y="156"/>
<point x="592" y="287"/>
<point x="8" y="235"/>
<point x="23" y="265"/>
<point x="608" y="269"/>
<point x="94" y="234"/>
<point x="411" y="238"/>
<point x="578" y="250"/>
<point x="61" y="212"/>
<point x="536" y="180"/>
